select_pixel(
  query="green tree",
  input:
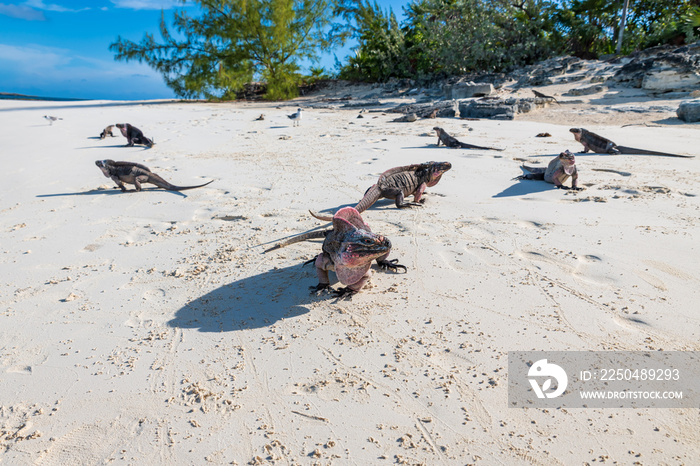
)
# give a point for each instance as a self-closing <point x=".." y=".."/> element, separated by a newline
<point x="233" y="42"/>
<point x="380" y="52"/>
<point x="591" y="27"/>
<point x="453" y="37"/>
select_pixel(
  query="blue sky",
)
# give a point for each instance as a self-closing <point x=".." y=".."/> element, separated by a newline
<point x="60" y="48"/>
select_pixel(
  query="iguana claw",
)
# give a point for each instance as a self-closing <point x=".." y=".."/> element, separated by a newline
<point x="391" y="265"/>
<point x="343" y="292"/>
<point x="319" y="287"/>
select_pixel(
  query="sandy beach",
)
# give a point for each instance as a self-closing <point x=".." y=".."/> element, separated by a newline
<point x="148" y="327"/>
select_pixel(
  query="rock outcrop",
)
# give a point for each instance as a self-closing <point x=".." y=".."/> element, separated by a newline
<point x="662" y="69"/>
<point x="500" y="109"/>
<point x="689" y="111"/>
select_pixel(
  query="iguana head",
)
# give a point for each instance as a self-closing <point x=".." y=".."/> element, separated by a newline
<point x="356" y="246"/>
<point x="577" y="132"/>
<point x="438" y="130"/>
<point x="104" y="166"/>
<point x="435" y="171"/>
<point x="568" y="161"/>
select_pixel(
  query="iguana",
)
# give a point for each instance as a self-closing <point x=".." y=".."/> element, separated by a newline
<point x="136" y="174"/>
<point x="543" y="96"/>
<point x="600" y="145"/>
<point x="348" y="249"/>
<point x="133" y="135"/>
<point x="558" y="171"/>
<point x="400" y="182"/>
<point x="107" y="132"/>
<point x="450" y="141"/>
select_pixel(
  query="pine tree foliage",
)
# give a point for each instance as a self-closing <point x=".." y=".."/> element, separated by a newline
<point x="234" y="42"/>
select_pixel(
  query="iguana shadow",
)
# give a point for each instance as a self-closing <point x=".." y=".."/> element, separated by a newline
<point x="111" y="192"/>
<point x="254" y="302"/>
<point x="113" y="147"/>
<point x="525" y="187"/>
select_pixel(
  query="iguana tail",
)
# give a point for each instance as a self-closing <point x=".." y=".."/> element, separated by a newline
<point x="371" y="196"/>
<point x="325" y="218"/>
<point x="632" y="150"/>
<point x="298" y="239"/>
<point x="533" y="173"/>
<point x="161" y="183"/>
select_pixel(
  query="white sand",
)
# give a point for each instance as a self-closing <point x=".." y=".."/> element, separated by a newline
<point x="148" y="328"/>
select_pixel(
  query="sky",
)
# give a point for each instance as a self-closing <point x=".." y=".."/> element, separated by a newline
<point x="60" y="48"/>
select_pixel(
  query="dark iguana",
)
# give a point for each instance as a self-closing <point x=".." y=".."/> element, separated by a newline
<point x="600" y="145"/>
<point x="348" y="249"/>
<point x="400" y="182"/>
<point x="450" y="141"/>
<point x="134" y="135"/>
<point x="558" y="171"/>
<point x="543" y="96"/>
<point x="136" y="174"/>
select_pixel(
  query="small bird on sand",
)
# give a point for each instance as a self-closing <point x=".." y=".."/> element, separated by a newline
<point x="52" y="118"/>
<point x="295" y="117"/>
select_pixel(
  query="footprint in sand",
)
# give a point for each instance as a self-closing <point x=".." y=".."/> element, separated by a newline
<point x="89" y="444"/>
<point x="578" y="269"/>
<point x="531" y="225"/>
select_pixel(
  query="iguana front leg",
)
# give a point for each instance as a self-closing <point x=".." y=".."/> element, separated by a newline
<point x="574" y="182"/>
<point x="323" y="264"/>
<point x="418" y="193"/>
<point x="398" y="197"/>
<point x="119" y="183"/>
<point x="560" y="177"/>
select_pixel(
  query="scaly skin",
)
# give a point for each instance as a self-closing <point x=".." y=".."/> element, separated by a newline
<point x="557" y="172"/>
<point x="136" y="174"/>
<point x="594" y="142"/>
<point x="107" y="132"/>
<point x="399" y="183"/>
<point x="601" y="145"/>
<point x="133" y="135"/>
<point x="348" y="249"/>
<point x="543" y="96"/>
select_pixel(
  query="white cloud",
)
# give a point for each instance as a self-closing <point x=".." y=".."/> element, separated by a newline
<point x="22" y="12"/>
<point x="147" y="4"/>
<point x="33" y="58"/>
<point x="37" y="62"/>
<point x="40" y="5"/>
<point x="57" y="72"/>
